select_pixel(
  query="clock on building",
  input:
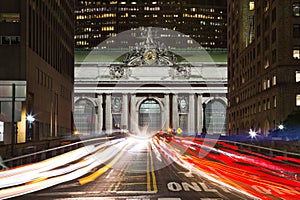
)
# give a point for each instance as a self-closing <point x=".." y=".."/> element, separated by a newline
<point x="150" y="56"/>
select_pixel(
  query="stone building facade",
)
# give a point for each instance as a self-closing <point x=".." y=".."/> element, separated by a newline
<point x="149" y="90"/>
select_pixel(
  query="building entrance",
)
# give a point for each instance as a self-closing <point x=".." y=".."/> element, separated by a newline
<point x="150" y="116"/>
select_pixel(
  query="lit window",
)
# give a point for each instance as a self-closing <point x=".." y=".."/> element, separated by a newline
<point x="297" y="76"/>
<point x="251" y="5"/>
<point x="296" y="9"/>
<point x="296" y="53"/>
<point x="190" y="41"/>
<point x="10" y="17"/>
<point x="274" y="101"/>
<point x="274" y="80"/>
<point x="264" y="84"/>
<point x="266" y="5"/>
<point x="298" y="100"/>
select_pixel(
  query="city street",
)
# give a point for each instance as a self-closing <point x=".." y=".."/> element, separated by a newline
<point x="155" y="168"/>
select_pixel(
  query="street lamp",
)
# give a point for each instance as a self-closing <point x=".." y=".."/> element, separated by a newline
<point x="30" y="118"/>
<point x="281" y="127"/>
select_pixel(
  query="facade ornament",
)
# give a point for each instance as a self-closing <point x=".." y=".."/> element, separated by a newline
<point x="149" y="52"/>
<point x="183" y="71"/>
<point x="116" y="71"/>
<point x="183" y="104"/>
<point x="116" y="104"/>
<point x="119" y="71"/>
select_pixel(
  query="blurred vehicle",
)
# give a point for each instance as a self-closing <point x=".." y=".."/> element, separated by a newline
<point x="116" y="133"/>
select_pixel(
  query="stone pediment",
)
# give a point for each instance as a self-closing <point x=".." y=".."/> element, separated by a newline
<point x="149" y="59"/>
<point x="149" y="52"/>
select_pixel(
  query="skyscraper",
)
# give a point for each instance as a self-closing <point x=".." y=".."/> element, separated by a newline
<point x="263" y="63"/>
<point x="36" y="46"/>
<point x="204" y="21"/>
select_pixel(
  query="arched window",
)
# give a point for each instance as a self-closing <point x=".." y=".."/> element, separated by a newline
<point x="216" y="120"/>
<point x="150" y="115"/>
<point x="84" y="116"/>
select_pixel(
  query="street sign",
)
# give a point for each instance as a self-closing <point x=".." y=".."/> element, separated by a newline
<point x="6" y="90"/>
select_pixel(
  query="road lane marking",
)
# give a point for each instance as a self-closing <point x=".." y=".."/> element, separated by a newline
<point x="153" y="173"/>
<point x="170" y="198"/>
<point x="101" y="171"/>
<point x="148" y="171"/>
<point x="135" y="183"/>
<point x="121" y="178"/>
<point x="135" y="192"/>
<point x="111" y="171"/>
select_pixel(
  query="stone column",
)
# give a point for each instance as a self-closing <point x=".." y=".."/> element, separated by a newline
<point x="133" y="115"/>
<point x="199" y="113"/>
<point x="191" y="116"/>
<point x="166" y="120"/>
<point x="100" y="113"/>
<point x="108" y="121"/>
<point x="175" y="111"/>
<point x="124" y="117"/>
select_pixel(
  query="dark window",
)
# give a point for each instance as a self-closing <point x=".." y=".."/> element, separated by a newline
<point x="274" y="15"/>
<point x="273" y="35"/>
<point x="296" y="30"/>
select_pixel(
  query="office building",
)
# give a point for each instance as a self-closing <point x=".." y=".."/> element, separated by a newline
<point x="37" y="48"/>
<point x="263" y="63"/>
<point x="203" y="21"/>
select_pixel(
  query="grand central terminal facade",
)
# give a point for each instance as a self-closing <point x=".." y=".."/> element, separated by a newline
<point x="149" y="87"/>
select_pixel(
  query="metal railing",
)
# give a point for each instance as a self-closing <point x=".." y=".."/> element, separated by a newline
<point x="48" y="153"/>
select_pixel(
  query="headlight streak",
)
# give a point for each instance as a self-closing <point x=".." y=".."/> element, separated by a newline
<point x="52" y="163"/>
<point x="42" y="179"/>
<point x="157" y="154"/>
<point x="257" y="176"/>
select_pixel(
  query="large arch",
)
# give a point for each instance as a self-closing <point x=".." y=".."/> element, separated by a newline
<point x="216" y="117"/>
<point x="85" y="115"/>
<point x="150" y="115"/>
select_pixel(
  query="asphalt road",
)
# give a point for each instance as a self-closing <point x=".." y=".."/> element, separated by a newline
<point x="136" y="173"/>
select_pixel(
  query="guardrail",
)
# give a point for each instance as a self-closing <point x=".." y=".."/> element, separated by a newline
<point x="263" y="150"/>
<point x="271" y="148"/>
<point x="45" y="154"/>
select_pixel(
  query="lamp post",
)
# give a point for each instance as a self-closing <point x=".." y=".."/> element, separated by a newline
<point x="30" y="119"/>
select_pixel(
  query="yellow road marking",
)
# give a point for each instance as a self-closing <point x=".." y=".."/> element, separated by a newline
<point x="99" y="172"/>
<point x="153" y="173"/>
<point x="136" y="183"/>
<point x="121" y="178"/>
<point x="148" y="171"/>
